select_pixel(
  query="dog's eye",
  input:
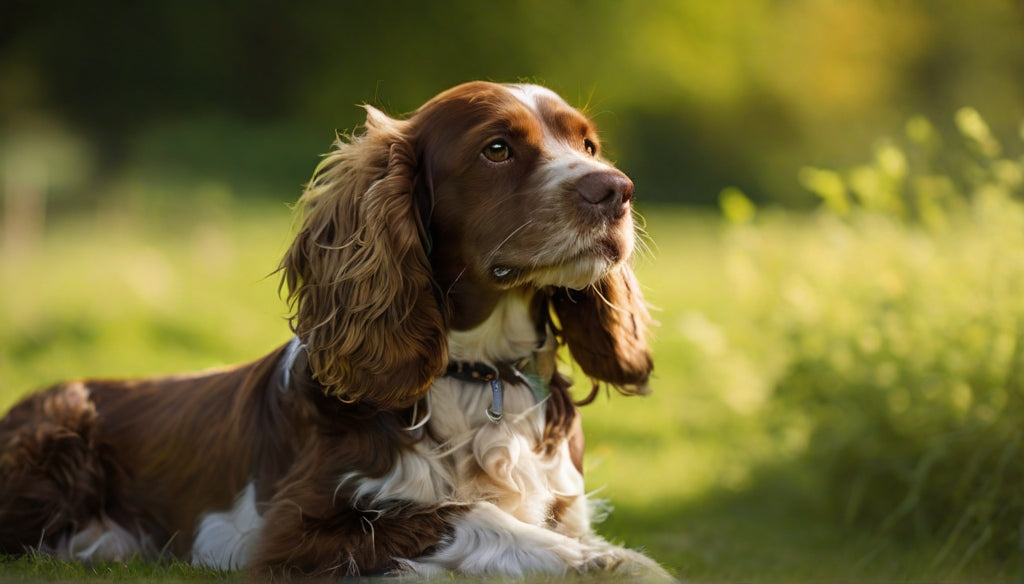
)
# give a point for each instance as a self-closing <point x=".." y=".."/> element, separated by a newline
<point x="497" y="151"/>
<point x="590" y="147"/>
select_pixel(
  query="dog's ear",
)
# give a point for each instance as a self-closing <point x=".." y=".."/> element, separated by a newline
<point x="358" y="275"/>
<point x="605" y="327"/>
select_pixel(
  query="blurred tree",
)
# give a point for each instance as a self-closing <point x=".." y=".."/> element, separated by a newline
<point x="694" y="96"/>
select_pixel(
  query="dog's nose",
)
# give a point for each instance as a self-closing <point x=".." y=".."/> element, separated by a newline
<point x="608" y="189"/>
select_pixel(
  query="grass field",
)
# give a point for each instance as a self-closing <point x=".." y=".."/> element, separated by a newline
<point x="799" y="359"/>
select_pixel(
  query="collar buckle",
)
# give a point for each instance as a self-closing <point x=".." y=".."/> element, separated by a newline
<point x="496" y="411"/>
<point x="483" y="373"/>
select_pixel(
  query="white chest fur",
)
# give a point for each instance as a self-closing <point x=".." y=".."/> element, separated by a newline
<point x="507" y="334"/>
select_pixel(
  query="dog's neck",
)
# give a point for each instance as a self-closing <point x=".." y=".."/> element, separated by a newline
<point x="509" y="333"/>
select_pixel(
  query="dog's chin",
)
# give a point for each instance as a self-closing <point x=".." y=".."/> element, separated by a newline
<point x="577" y="274"/>
<point x="577" y="268"/>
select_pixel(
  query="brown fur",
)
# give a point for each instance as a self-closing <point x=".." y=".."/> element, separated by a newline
<point x="605" y="327"/>
<point x="48" y="460"/>
<point x="161" y="455"/>
<point x="359" y="275"/>
<point x="156" y="452"/>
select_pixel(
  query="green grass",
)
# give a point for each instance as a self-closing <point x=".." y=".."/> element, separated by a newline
<point x="738" y="467"/>
<point x="142" y="292"/>
<point x="44" y="568"/>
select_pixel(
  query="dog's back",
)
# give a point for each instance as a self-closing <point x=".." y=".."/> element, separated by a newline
<point x="108" y="469"/>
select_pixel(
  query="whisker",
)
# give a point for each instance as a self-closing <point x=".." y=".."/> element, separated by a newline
<point x="604" y="300"/>
<point x="448" y="292"/>
<point x="498" y="247"/>
<point x="644" y="242"/>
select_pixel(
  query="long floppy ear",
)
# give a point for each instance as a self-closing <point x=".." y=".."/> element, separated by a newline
<point x="358" y="274"/>
<point x="605" y="327"/>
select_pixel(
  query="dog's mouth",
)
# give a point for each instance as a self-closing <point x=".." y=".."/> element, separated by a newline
<point x="577" y="271"/>
<point x="560" y="253"/>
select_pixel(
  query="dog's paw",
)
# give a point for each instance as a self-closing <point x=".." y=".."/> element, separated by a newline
<point x="624" y="563"/>
<point x="404" y="568"/>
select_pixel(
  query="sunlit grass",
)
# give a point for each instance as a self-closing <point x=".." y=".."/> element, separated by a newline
<point x="143" y="293"/>
<point x="716" y="474"/>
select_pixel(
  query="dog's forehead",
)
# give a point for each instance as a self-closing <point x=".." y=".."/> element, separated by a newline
<point x="542" y="101"/>
<point x="533" y="95"/>
<point x="556" y="114"/>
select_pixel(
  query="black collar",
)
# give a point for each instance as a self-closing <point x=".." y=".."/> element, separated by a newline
<point x="470" y="372"/>
<point x="466" y="371"/>
<point x="477" y="372"/>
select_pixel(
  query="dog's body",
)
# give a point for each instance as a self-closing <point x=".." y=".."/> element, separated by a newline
<point x="417" y="422"/>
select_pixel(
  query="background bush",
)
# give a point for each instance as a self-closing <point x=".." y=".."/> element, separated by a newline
<point x="691" y="95"/>
<point x="901" y="333"/>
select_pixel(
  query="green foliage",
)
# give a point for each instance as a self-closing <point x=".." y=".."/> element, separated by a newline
<point x="691" y="94"/>
<point x="923" y="181"/>
<point x="902" y="330"/>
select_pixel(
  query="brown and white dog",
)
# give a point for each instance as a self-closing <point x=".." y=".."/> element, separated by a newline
<point x="417" y="422"/>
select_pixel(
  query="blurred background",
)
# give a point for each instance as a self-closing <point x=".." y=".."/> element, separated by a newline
<point x="833" y="198"/>
<point x="692" y="96"/>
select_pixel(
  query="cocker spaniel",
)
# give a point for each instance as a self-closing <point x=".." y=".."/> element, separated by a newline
<point x="417" y="422"/>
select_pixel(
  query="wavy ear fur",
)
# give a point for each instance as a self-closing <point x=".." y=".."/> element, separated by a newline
<point x="605" y="327"/>
<point x="358" y="275"/>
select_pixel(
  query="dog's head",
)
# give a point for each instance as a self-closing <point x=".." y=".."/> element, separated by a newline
<point x="418" y="227"/>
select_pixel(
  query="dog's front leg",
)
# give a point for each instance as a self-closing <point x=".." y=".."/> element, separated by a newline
<point x="486" y="541"/>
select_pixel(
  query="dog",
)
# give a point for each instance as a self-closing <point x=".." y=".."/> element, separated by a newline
<point x="417" y="423"/>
